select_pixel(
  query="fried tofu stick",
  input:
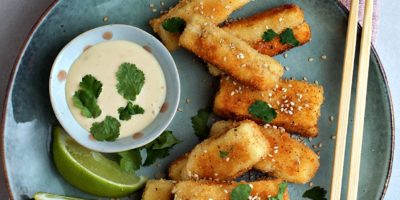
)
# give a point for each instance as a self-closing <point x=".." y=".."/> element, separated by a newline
<point x="297" y="103"/>
<point x="228" y="156"/>
<point x="289" y="160"/>
<point x="230" y="54"/>
<point x="216" y="11"/>
<point x="278" y="19"/>
<point x="158" y="190"/>
<point x="205" y="190"/>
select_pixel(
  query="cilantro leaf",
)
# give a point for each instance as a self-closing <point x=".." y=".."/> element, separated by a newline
<point x="160" y="147"/>
<point x="91" y="85"/>
<point x="165" y="140"/>
<point x="241" y="192"/>
<point x="287" y="37"/>
<point x="107" y="130"/>
<point x="126" y="112"/>
<point x="130" y="160"/>
<point x="130" y="81"/>
<point x="315" y="193"/>
<point x="85" y="99"/>
<point x="199" y="123"/>
<point x="269" y="35"/>
<point x="223" y="154"/>
<point x="174" y="25"/>
<point x="261" y="110"/>
<point x="154" y="154"/>
<point x="281" y="192"/>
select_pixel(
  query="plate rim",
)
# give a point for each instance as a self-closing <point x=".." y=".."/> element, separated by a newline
<point x="45" y="13"/>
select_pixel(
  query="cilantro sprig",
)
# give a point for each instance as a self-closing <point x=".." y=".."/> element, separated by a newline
<point x="125" y="113"/>
<point x="130" y="81"/>
<point x="269" y="35"/>
<point x="315" y="193"/>
<point x="281" y="192"/>
<point x="223" y="154"/>
<point x="199" y="123"/>
<point x="107" y="130"/>
<point x="261" y="110"/>
<point x="131" y="160"/>
<point x="174" y="25"/>
<point x="241" y="192"/>
<point x="287" y="37"/>
<point x="85" y="99"/>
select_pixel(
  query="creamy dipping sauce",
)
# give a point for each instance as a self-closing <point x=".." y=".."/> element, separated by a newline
<point x="102" y="61"/>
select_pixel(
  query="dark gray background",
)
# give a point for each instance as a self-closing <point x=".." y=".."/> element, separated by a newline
<point x="18" y="17"/>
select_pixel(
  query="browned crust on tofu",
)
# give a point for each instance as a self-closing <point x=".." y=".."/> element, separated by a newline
<point x="230" y="54"/>
<point x="158" y="190"/>
<point x="251" y="29"/>
<point x="289" y="159"/>
<point x="245" y="146"/>
<point x="233" y="100"/>
<point x="274" y="47"/>
<point x="204" y="190"/>
<point x="215" y="11"/>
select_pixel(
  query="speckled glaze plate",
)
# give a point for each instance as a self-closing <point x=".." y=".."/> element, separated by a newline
<point x="28" y="116"/>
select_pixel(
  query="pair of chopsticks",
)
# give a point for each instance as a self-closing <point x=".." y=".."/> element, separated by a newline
<point x="344" y="106"/>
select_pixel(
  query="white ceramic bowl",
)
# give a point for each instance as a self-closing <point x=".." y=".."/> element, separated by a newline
<point x="75" y="48"/>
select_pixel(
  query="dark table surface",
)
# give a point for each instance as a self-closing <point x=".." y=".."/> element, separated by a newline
<point x="18" y="17"/>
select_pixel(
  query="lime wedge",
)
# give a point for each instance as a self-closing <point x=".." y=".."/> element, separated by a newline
<point x="47" y="196"/>
<point x="90" y="171"/>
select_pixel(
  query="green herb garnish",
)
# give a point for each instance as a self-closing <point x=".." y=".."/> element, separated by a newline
<point x="287" y="37"/>
<point x="315" y="193"/>
<point x="241" y="192"/>
<point x="281" y="192"/>
<point x="174" y="25"/>
<point x="130" y="160"/>
<point x="125" y="113"/>
<point x="130" y="81"/>
<point x="223" y="154"/>
<point x="199" y="123"/>
<point x="86" y="97"/>
<point x="160" y="147"/>
<point x="261" y="110"/>
<point x="107" y="130"/>
<point x="269" y="35"/>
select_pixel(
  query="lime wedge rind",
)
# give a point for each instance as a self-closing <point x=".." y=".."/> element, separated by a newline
<point x="82" y="177"/>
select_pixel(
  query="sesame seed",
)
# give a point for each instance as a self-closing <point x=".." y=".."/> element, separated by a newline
<point x="274" y="127"/>
<point x="280" y="19"/>
<point x="323" y="57"/>
<point x="287" y="68"/>
<point x="310" y="139"/>
<point x="285" y="55"/>
<point x="240" y="56"/>
<point x="154" y="10"/>
<point x="310" y="59"/>
<point x="270" y="94"/>
<point x="316" y="82"/>
<point x="305" y="78"/>
<point x="105" y="19"/>
<point x="251" y="186"/>
<point x="331" y="118"/>
<point x="224" y="58"/>
<point x="187" y="101"/>
<point x="227" y="159"/>
<point x="243" y="65"/>
<point x="180" y="110"/>
<point x="333" y="137"/>
<point x="152" y="5"/>
<point x="311" y="184"/>
<point x="226" y="191"/>
<point x="227" y="7"/>
<point x="215" y="174"/>
<point x="320" y="145"/>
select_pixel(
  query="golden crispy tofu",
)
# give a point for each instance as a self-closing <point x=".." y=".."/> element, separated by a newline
<point x="206" y="190"/>
<point x="176" y="169"/>
<point x="289" y="159"/>
<point x="229" y="155"/>
<point x="158" y="190"/>
<point x="297" y="103"/>
<point x="215" y="11"/>
<point x="278" y="19"/>
<point x="230" y="54"/>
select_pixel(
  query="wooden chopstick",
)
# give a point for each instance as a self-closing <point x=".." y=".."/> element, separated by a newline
<point x="361" y="96"/>
<point x="344" y="105"/>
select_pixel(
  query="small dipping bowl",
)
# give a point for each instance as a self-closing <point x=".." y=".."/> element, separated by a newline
<point x="68" y="55"/>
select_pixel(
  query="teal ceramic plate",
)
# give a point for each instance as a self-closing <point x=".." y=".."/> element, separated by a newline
<point x="28" y="116"/>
